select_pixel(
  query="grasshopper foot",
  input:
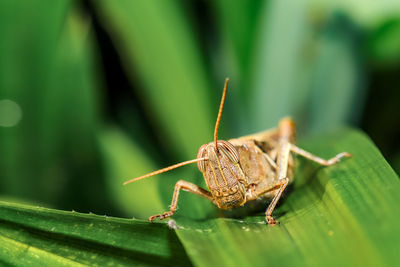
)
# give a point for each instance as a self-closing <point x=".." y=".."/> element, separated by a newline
<point x="271" y="221"/>
<point x="338" y="157"/>
<point x="161" y="216"/>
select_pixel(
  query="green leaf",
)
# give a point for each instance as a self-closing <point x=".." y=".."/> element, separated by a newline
<point x="37" y="236"/>
<point x="384" y="42"/>
<point x="338" y="80"/>
<point x="27" y="56"/>
<point x="283" y="31"/>
<point x="366" y="13"/>
<point x="157" y="46"/>
<point x="309" y="66"/>
<point x="343" y="215"/>
<point x="155" y="41"/>
<point x="236" y="21"/>
<point x="48" y="70"/>
<point x="124" y="160"/>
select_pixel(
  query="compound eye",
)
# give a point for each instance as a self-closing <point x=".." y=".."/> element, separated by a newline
<point x="201" y="154"/>
<point x="229" y="151"/>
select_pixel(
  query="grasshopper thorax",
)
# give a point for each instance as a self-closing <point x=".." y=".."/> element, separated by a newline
<point x="223" y="173"/>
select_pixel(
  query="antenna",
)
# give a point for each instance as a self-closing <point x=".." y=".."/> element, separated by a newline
<point x="221" y="107"/>
<point x="164" y="170"/>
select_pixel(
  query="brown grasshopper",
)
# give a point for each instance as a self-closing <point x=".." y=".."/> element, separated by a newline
<point x="244" y="169"/>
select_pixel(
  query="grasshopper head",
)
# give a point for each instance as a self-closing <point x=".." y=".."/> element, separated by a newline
<point x="224" y="152"/>
<point x="222" y="173"/>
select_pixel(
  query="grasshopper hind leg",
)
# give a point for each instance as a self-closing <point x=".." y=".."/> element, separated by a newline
<point x="317" y="159"/>
<point x="181" y="184"/>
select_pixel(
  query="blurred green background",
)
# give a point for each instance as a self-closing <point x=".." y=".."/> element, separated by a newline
<point x="93" y="93"/>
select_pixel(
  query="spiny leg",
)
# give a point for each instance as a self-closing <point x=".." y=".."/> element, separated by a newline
<point x="181" y="184"/>
<point x="250" y="195"/>
<point x="319" y="160"/>
<point x="271" y="207"/>
<point x="281" y="172"/>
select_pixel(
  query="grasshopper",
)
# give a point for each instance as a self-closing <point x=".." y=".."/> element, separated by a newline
<point x="244" y="169"/>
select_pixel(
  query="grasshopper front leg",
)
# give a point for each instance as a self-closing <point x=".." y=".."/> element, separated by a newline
<point x="181" y="184"/>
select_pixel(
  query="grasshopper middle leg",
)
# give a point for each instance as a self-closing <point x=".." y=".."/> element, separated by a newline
<point x="286" y="137"/>
<point x="181" y="184"/>
<point x="281" y="172"/>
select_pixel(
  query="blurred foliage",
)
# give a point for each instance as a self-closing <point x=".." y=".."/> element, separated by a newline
<point x="48" y="69"/>
<point x="93" y="93"/>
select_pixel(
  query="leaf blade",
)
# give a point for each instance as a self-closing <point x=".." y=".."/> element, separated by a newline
<point x="55" y="236"/>
<point x="324" y="220"/>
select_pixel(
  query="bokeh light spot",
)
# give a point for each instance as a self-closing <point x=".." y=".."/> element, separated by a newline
<point x="10" y="113"/>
